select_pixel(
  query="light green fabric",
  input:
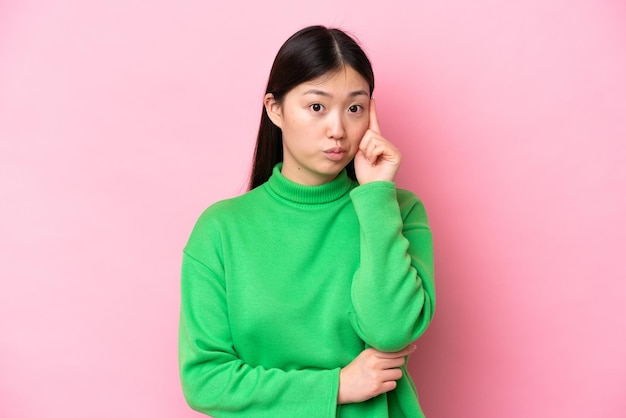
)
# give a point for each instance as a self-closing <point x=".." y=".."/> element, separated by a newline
<point x="286" y="284"/>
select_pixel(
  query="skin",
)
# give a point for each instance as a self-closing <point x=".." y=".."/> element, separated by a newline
<point x="326" y="122"/>
<point x="332" y="113"/>
<point x="371" y="373"/>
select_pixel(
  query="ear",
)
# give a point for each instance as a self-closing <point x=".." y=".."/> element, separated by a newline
<point x="273" y="109"/>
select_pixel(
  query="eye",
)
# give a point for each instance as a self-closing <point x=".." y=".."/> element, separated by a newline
<point x="355" y="108"/>
<point x="316" y="107"/>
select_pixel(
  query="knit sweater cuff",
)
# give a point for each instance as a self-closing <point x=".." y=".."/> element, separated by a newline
<point x="372" y="186"/>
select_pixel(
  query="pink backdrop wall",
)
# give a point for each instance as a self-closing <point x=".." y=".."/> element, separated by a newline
<point x="121" y="121"/>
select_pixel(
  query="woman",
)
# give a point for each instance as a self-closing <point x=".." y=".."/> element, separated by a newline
<point x="303" y="296"/>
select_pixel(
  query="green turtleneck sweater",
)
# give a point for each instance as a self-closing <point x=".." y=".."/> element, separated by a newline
<point x="286" y="284"/>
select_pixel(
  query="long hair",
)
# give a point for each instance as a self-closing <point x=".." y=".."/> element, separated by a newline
<point x="309" y="53"/>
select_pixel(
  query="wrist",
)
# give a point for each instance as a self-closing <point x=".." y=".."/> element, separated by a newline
<point x="340" y="396"/>
<point x="343" y="397"/>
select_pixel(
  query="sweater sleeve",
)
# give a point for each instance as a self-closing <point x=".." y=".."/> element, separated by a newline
<point x="393" y="293"/>
<point x="214" y="379"/>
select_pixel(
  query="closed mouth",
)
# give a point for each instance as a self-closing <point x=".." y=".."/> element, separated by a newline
<point x="335" y="150"/>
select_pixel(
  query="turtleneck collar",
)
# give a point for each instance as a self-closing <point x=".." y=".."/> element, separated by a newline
<point x="283" y="188"/>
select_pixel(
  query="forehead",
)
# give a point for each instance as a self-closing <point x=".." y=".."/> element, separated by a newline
<point x="345" y="80"/>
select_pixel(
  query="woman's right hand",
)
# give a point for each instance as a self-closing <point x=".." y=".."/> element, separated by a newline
<point x="371" y="373"/>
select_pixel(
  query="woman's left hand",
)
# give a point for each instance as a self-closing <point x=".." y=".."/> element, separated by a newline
<point x="377" y="158"/>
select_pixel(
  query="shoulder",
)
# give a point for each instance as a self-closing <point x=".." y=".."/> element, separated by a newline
<point x="405" y="196"/>
<point x="410" y="204"/>
<point x="214" y="220"/>
<point x="231" y="208"/>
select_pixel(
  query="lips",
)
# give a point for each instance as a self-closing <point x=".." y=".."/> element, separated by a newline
<point x="335" y="153"/>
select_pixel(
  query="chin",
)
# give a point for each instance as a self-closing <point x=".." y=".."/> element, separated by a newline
<point x="334" y="169"/>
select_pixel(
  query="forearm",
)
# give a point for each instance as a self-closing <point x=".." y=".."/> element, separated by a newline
<point x="225" y="388"/>
<point x="393" y="289"/>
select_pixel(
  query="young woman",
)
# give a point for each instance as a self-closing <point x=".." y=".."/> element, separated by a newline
<point x="303" y="296"/>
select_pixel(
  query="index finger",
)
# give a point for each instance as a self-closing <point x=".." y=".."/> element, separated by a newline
<point x="374" y="126"/>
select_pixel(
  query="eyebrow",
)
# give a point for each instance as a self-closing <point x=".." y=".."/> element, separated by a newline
<point x="326" y="94"/>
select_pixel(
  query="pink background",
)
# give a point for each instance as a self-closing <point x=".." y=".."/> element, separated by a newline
<point x="121" y="121"/>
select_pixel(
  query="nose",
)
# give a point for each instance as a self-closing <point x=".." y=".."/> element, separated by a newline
<point x="336" y="129"/>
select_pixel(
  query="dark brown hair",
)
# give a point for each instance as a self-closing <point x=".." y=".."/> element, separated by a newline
<point x="309" y="53"/>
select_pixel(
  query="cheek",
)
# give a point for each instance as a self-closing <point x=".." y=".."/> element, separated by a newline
<point x="290" y="124"/>
<point x="296" y="120"/>
<point x="358" y="129"/>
